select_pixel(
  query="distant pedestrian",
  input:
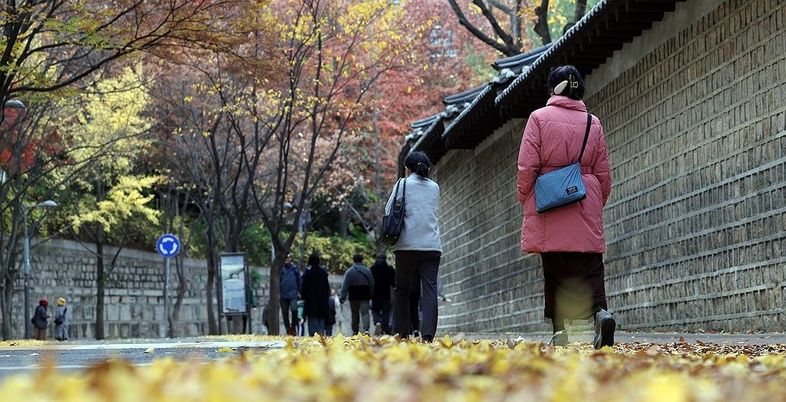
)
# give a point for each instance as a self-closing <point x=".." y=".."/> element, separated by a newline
<point x="41" y="320"/>
<point x="267" y="312"/>
<point x="300" y="327"/>
<point x="289" y="293"/>
<point x="61" y="320"/>
<point x="418" y="250"/>
<point x="316" y="295"/>
<point x="334" y="307"/>
<point x="569" y="238"/>
<point x="384" y="280"/>
<point x="358" y="288"/>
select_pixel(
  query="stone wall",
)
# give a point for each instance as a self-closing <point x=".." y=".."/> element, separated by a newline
<point x="694" y="113"/>
<point x="134" y="294"/>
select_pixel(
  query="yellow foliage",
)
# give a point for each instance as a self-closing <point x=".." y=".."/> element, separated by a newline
<point x="386" y="369"/>
<point x="125" y="199"/>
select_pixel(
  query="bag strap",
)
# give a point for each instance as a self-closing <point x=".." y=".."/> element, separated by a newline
<point x="368" y="281"/>
<point x="395" y="192"/>
<point x="404" y="195"/>
<point x="586" y="135"/>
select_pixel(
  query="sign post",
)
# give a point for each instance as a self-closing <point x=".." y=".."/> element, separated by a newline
<point x="233" y="274"/>
<point x="168" y="246"/>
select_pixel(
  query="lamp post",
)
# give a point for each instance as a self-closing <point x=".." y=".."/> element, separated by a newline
<point x="26" y="259"/>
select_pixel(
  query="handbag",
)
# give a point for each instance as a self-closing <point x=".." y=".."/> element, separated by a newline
<point x="562" y="186"/>
<point x="393" y="221"/>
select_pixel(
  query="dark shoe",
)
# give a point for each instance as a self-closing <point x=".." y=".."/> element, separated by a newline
<point x="560" y="338"/>
<point x="604" y="329"/>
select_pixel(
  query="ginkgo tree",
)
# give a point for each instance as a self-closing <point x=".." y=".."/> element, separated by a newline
<point x="49" y="51"/>
<point x="109" y="195"/>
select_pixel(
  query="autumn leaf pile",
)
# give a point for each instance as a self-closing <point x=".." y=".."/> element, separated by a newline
<point x="384" y="369"/>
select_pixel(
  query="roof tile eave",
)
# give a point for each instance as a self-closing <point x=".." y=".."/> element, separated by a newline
<point x="466" y="110"/>
<point x="556" y="46"/>
<point x="427" y="134"/>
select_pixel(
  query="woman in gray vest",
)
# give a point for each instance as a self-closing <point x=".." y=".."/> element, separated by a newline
<point x="418" y="249"/>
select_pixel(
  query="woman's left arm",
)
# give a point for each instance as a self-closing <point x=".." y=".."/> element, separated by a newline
<point x="529" y="159"/>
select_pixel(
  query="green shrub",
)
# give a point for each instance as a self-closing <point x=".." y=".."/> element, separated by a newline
<point x="336" y="253"/>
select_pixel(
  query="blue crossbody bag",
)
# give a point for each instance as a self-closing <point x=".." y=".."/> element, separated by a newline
<point x="562" y="186"/>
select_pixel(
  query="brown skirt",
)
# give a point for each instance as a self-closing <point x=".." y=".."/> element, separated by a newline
<point x="573" y="285"/>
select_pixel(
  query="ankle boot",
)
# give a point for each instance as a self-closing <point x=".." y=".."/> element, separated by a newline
<point x="604" y="329"/>
<point x="560" y="338"/>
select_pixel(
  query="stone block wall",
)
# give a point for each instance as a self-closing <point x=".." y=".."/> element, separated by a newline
<point x="134" y="295"/>
<point x="694" y="113"/>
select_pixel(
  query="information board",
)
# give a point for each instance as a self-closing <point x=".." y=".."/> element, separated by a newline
<point x="233" y="283"/>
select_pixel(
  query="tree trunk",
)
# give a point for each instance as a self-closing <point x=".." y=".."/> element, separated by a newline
<point x="211" y="277"/>
<point x="343" y="218"/>
<point x="581" y="9"/>
<point x="5" y="299"/>
<point x="377" y="183"/>
<point x="100" y="283"/>
<point x="542" y="25"/>
<point x="275" y="277"/>
<point x="182" y="285"/>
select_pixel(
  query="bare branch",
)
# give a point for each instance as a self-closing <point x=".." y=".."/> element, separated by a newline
<point x="505" y="48"/>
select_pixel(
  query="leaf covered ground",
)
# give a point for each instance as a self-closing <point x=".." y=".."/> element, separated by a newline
<point x="384" y="369"/>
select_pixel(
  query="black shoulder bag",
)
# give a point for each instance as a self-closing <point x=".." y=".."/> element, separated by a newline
<point x="393" y="222"/>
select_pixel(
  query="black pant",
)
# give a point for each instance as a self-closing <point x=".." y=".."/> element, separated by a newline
<point x="573" y="285"/>
<point x="360" y="315"/>
<point x="423" y="264"/>
<point x="380" y="313"/>
<point x="289" y="307"/>
<point x="414" y="302"/>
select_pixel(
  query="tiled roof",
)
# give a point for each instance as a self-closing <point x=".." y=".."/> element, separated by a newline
<point x="588" y="44"/>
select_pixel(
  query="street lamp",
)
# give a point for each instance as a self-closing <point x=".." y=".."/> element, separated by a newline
<point x="26" y="258"/>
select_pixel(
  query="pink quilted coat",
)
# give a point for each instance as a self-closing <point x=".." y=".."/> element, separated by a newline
<point x="552" y="139"/>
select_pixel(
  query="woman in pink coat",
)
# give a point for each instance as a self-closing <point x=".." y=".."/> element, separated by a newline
<point x="569" y="238"/>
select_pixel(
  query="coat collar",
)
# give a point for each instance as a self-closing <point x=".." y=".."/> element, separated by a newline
<point x="567" y="103"/>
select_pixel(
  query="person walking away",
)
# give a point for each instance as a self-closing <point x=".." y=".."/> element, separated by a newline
<point x="569" y="238"/>
<point x="418" y="249"/>
<point x="384" y="279"/>
<point x="41" y="319"/>
<point x="300" y="327"/>
<point x="358" y="287"/>
<point x="332" y="318"/>
<point x="316" y="296"/>
<point x="61" y="320"/>
<point x="289" y="293"/>
<point x="267" y="311"/>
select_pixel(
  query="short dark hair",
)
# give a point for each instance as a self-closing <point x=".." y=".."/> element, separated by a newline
<point x="357" y="258"/>
<point x="418" y="162"/>
<point x="313" y="260"/>
<point x="575" y="89"/>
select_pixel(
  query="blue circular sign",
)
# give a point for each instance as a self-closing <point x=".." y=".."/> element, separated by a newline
<point x="168" y="245"/>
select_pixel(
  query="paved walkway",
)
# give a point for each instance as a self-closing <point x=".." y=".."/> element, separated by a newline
<point x="78" y="355"/>
<point x="650" y="337"/>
